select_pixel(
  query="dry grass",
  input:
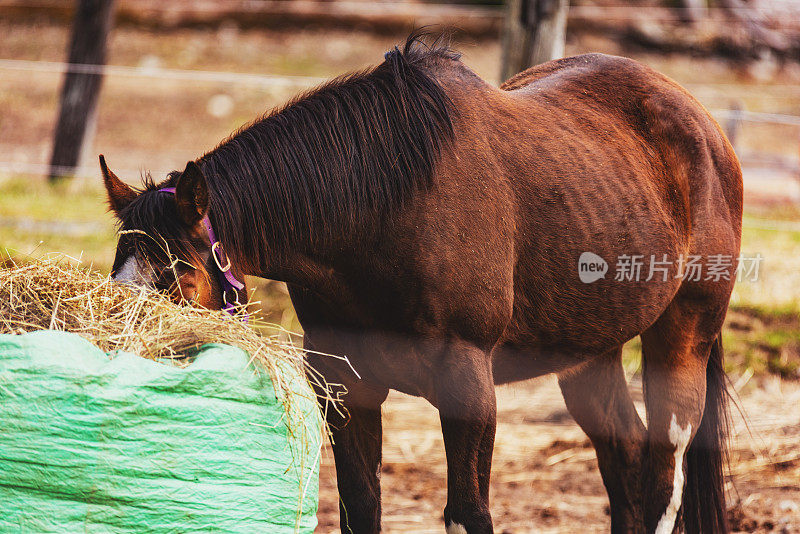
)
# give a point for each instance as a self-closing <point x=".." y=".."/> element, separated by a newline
<point x="56" y="293"/>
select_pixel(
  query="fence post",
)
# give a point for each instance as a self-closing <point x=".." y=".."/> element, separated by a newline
<point x="534" y="32"/>
<point x="80" y="92"/>
<point x="734" y="123"/>
<point x="693" y="11"/>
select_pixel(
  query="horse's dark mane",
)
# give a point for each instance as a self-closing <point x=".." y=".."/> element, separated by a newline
<point x="333" y="158"/>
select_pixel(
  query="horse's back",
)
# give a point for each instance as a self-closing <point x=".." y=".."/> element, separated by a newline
<point x="605" y="104"/>
<point x="610" y="157"/>
<point x="619" y="92"/>
<point x="681" y="158"/>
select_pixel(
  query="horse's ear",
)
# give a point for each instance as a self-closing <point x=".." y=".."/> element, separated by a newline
<point x="191" y="194"/>
<point x="120" y="194"/>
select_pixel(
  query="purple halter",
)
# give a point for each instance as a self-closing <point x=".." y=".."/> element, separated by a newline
<point x="227" y="281"/>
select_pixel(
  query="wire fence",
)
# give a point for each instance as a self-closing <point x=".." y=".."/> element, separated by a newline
<point x="86" y="172"/>
<point x="239" y="78"/>
<point x="301" y="82"/>
<point x="680" y="14"/>
<point x="775" y="8"/>
<point x="268" y="80"/>
<point x="256" y="79"/>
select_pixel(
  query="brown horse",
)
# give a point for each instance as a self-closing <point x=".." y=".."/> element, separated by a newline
<point x="433" y="229"/>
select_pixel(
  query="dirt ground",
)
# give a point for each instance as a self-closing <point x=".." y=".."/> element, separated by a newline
<point x="545" y="477"/>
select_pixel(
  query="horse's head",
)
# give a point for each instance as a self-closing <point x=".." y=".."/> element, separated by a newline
<point x="163" y="243"/>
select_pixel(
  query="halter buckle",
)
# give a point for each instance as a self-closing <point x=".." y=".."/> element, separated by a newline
<point x="225" y="297"/>
<point x="217" y="246"/>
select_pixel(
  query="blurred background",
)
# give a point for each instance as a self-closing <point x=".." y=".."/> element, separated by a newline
<point x="152" y="84"/>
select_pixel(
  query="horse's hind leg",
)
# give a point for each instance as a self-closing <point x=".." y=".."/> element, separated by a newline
<point x="685" y="446"/>
<point x="597" y="397"/>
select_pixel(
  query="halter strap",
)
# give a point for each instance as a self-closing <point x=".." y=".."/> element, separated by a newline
<point x="227" y="281"/>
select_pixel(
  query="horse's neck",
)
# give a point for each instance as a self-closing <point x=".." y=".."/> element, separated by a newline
<point x="319" y="275"/>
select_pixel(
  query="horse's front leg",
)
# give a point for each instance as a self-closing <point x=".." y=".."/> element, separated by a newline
<point x="468" y="412"/>
<point x="356" y="435"/>
<point x="357" y="452"/>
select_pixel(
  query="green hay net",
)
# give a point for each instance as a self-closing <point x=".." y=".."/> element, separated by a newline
<point x="91" y="443"/>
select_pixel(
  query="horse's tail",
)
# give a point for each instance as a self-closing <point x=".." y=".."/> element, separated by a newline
<point x="704" y="509"/>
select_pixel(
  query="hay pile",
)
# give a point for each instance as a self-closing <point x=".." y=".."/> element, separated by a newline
<point x="56" y="293"/>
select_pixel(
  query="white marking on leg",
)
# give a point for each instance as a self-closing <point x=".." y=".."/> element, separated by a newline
<point x="680" y="438"/>
<point x="455" y="528"/>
